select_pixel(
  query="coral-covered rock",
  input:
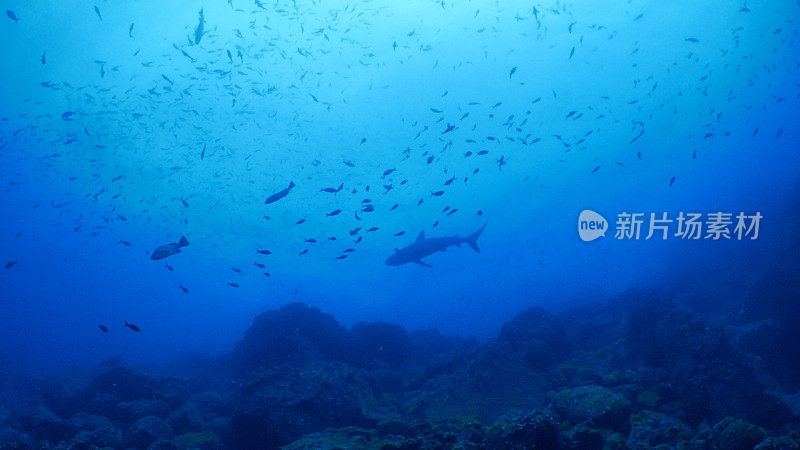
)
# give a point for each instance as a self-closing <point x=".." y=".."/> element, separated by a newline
<point x="146" y="431"/>
<point x="536" y="429"/>
<point x="14" y="439"/>
<point x="102" y="437"/>
<point x="186" y="419"/>
<point x="64" y="394"/>
<point x="777" y="443"/>
<point x="214" y="404"/>
<point x="122" y="382"/>
<point x="650" y="429"/>
<point x="582" y="437"/>
<point x="205" y="440"/>
<point x="42" y="423"/>
<point x="710" y="378"/>
<point x="295" y="401"/>
<point x="485" y="385"/>
<point x="381" y="341"/>
<point x="294" y="333"/>
<point x="595" y="404"/>
<point x="734" y="434"/>
<point x="134" y="410"/>
<point x="539" y="335"/>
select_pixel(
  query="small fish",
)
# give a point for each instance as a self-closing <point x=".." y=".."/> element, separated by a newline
<point x="133" y="327"/>
<point x="332" y="190"/>
<point x="198" y="32"/>
<point x="513" y="71"/>
<point x="341" y="257"/>
<point x="185" y="291"/>
<point x="437" y="193"/>
<point x="672" y="181"/>
<point x="103" y="328"/>
<point x="169" y="249"/>
<point x="279" y="195"/>
<point x="300" y="221"/>
<point x="97" y="11"/>
<point x="12" y="16"/>
<point x="335" y="212"/>
<point x="125" y="243"/>
<point x="501" y="162"/>
<point x="259" y="265"/>
<point x="203" y="153"/>
<point x="388" y="172"/>
<point x="11" y="264"/>
<point x="130" y="31"/>
<point x="44" y="57"/>
<point x="233" y="285"/>
<point x="693" y="40"/>
<point x="265" y="252"/>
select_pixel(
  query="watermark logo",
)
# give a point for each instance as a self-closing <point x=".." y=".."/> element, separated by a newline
<point x="685" y="226"/>
<point x="591" y="225"/>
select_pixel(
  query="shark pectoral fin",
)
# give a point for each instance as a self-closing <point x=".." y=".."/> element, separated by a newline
<point x="422" y="263"/>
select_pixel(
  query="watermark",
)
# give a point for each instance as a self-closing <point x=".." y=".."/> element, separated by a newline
<point x="591" y="225"/>
<point x="686" y="226"/>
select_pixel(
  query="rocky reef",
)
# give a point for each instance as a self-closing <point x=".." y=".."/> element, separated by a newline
<point x="647" y="369"/>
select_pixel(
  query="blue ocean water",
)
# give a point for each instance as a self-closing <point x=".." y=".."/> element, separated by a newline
<point x="125" y="126"/>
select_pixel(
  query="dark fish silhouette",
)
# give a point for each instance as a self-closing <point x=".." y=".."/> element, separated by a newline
<point x="132" y="327"/>
<point x="12" y="16"/>
<point x="103" y="328"/>
<point x="169" y="249"/>
<point x="423" y="247"/>
<point x="198" y="32"/>
<point x="279" y="195"/>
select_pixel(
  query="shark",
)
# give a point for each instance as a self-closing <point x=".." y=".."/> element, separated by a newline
<point x="423" y="247"/>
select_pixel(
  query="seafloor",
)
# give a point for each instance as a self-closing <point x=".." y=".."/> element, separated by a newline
<point x="690" y="365"/>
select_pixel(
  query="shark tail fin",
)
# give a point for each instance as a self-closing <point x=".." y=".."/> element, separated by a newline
<point x="183" y="242"/>
<point x="472" y="239"/>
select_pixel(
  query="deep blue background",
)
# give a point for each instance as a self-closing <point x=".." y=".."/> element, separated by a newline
<point x="314" y="80"/>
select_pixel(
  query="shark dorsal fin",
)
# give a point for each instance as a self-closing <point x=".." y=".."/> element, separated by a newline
<point x="421" y="235"/>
